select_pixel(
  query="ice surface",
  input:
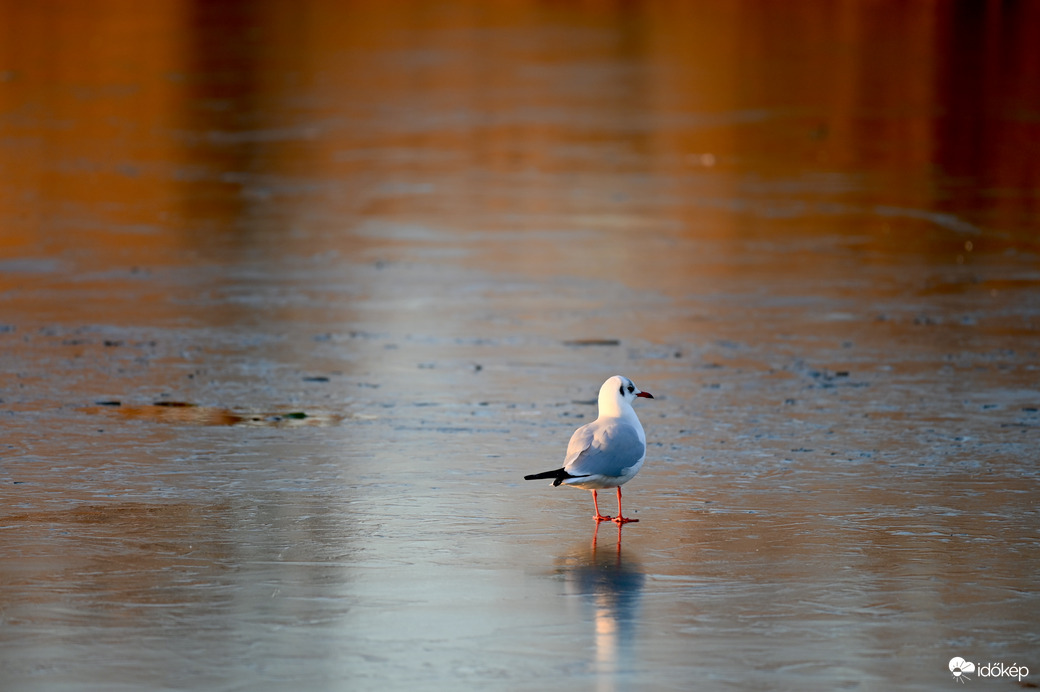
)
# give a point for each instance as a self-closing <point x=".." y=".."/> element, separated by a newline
<point x="292" y="300"/>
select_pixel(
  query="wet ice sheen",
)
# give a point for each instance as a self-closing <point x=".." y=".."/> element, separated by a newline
<point x="291" y="304"/>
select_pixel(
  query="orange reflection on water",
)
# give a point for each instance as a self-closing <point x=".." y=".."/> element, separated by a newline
<point x="144" y="128"/>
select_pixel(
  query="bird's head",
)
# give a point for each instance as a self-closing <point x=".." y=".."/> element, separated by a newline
<point x="619" y="389"/>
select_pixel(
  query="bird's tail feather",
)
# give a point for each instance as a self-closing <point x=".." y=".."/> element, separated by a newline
<point x="558" y="476"/>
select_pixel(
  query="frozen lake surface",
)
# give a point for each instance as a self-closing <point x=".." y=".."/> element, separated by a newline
<point x="294" y="295"/>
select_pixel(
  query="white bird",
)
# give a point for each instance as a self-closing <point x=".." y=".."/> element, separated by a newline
<point x="609" y="451"/>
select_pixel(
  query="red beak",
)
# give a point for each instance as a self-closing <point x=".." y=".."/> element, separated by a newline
<point x="645" y="395"/>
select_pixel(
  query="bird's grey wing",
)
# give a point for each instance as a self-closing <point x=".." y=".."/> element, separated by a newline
<point x="611" y="450"/>
<point x="580" y="441"/>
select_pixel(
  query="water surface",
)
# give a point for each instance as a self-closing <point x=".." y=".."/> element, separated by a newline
<point x="293" y="295"/>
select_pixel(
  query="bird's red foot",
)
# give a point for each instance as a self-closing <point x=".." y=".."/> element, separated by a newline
<point x="624" y="520"/>
<point x="601" y="517"/>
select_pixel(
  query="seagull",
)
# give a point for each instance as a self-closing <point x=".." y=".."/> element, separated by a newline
<point x="609" y="451"/>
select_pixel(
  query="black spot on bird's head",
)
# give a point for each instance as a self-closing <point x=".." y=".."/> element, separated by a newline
<point x="626" y="385"/>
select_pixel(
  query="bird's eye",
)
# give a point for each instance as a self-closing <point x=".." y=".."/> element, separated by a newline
<point x="631" y="389"/>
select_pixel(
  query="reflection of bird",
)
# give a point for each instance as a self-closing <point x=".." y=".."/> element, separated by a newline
<point x="609" y="451"/>
<point x="610" y="586"/>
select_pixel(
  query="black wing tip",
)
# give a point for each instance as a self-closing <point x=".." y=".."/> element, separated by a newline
<point x="557" y="473"/>
<point x="558" y="476"/>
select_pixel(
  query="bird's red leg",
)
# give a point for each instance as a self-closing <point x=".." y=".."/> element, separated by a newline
<point x="620" y="519"/>
<point x="599" y="517"/>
